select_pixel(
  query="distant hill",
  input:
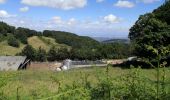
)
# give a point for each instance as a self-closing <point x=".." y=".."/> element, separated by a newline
<point x="71" y="39"/>
<point x="44" y="42"/>
<point x="35" y="41"/>
<point x="46" y="39"/>
<point x="116" y="40"/>
<point x="62" y="45"/>
<point x="101" y="39"/>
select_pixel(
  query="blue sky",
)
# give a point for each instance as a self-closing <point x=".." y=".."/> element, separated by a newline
<point x="96" y="18"/>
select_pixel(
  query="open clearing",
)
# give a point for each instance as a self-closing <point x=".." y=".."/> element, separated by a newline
<point x="43" y="83"/>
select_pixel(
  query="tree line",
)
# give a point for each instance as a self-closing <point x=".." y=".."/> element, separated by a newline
<point x="110" y="51"/>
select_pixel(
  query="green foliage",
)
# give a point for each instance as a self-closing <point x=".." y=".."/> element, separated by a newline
<point x="102" y="51"/>
<point x="86" y="84"/>
<point x="23" y="33"/>
<point x="41" y="55"/>
<point x="163" y="11"/>
<point x="84" y="54"/>
<point x="4" y="79"/>
<point x="12" y="41"/>
<point x="30" y="52"/>
<point x="58" y="54"/>
<point x="152" y="30"/>
<point x="131" y="86"/>
<point x="2" y="37"/>
<point x="23" y="38"/>
<point x="115" y="50"/>
<point x="71" y="39"/>
<point x="4" y="28"/>
<point x="51" y="54"/>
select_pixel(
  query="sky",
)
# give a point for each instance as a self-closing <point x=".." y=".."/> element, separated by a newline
<point x="95" y="18"/>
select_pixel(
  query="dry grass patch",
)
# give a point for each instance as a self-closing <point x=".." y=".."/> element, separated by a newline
<point x="36" y="43"/>
<point x="5" y="49"/>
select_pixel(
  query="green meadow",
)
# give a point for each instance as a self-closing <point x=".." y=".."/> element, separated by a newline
<point x="51" y="85"/>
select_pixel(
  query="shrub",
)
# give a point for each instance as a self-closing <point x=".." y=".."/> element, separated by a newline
<point x="30" y="52"/>
<point x="12" y="41"/>
<point x="41" y="55"/>
<point x="58" y="54"/>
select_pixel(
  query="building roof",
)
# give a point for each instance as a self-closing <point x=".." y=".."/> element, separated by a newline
<point x="86" y="62"/>
<point x="11" y="62"/>
<point x="77" y="64"/>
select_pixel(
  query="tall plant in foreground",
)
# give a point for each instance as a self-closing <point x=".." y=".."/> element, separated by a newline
<point x="160" y="53"/>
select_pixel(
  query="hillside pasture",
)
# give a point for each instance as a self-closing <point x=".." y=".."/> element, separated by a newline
<point x="52" y="42"/>
<point x="44" y="42"/>
<point x="9" y="50"/>
<point x="35" y="41"/>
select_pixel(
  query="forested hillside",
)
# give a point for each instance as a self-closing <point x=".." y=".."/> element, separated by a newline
<point x="71" y="39"/>
<point x="56" y="45"/>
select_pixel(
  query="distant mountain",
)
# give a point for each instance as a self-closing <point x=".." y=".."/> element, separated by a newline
<point x="116" y="40"/>
<point x="101" y="39"/>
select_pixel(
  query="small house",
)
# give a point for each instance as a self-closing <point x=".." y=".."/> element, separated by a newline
<point x="13" y="63"/>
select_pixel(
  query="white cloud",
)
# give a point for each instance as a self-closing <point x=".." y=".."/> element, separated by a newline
<point x="125" y="4"/>
<point x="2" y="1"/>
<point x="61" y="4"/>
<point x="57" y="20"/>
<point x="111" y="19"/>
<point x="5" y="14"/>
<point x="24" y="9"/>
<point x="21" y="22"/>
<point x="99" y="1"/>
<point x="102" y="26"/>
<point x="147" y="1"/>
<point x="71" y="21"/>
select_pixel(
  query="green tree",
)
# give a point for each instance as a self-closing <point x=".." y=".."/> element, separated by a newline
<point x="41" y="55"/>
<point x="149" y="31"/>
<point x="58" y="54"/>
<point x="52" y="54"/>
<point x="62" y="54"/>
<point x="5" y="28"/>
<point x="12" y="41"/>
<point x="30" y="52"/>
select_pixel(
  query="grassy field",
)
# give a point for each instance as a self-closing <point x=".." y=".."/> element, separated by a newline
<point x="44" y="42"/>
<point x="39" y="84"/>
<point x="51" y="42"/>
<point x="5" y="49"/>
<point x="35" y="42"/>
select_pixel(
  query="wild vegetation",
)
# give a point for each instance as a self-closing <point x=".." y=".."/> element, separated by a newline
<point x="95" y="83"/>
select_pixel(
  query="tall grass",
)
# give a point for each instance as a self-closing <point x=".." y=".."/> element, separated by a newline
<point x="86" y="84"/>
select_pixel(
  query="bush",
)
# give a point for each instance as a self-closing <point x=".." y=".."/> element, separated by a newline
<point x="2" y="38"/>
<point x="30" y="52"/>
<point x="41" y="55"/>
<point x="58" y="54"/>
<point x="12" y="41"/>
